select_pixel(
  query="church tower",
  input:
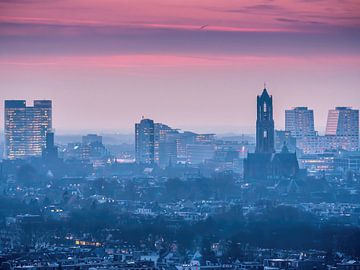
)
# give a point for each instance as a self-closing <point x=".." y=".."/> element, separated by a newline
<point x="264" y="124"/>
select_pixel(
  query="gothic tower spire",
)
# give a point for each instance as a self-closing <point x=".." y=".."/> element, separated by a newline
<point x="265" y="124"/>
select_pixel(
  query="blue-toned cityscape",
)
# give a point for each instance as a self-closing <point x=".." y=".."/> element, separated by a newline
<point x="164" y="198"/>
<point x="179" y="135"/>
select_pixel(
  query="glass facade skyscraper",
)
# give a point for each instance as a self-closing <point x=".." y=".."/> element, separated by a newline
<point x="26" y="127"/>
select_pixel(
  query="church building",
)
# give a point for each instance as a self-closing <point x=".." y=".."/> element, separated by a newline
<point x="265" y="164"/>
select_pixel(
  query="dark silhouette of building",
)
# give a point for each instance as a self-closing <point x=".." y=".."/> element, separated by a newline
<point x="91" y="139"/>
<point x="265" y="164"/>
<point x="264" y="124"/>
<point x="50" y="152"/>
<point x="284" y="137"/>
<point x="284" y="164"/>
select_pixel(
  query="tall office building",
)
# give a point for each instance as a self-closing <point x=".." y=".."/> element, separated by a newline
<point x="165" y="145"/>
<point x="343" y="122"/>
<point x="300" y="122"/>
<point x="265" y="124"/>
<point x="145" y="142"/>
<point x="26" y="127"/>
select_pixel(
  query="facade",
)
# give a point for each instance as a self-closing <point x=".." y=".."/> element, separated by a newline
<point x="164" y="144"/>
<point x="319" y="165"/>
<point x="332" y="163"/>
<point x="226" y="157"/>
<point x="90" y="150"/>
<point x="182" y="141"/>
<point x="300" y="122"/>
<point x="321" y="144"/>
<point x="187" y="141"/>
<point x="145" y="142"/>
<point x="343" y="122"/>
<point x="342" y="132"/>
<point x="26" y="127"/>
<point x="93" y="149"/>
<point x="198" y="153"/>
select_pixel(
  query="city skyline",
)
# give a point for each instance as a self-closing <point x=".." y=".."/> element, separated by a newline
<point x="194" y="60"/>
<point x="180" y="134"/>
<point x="29" y="132"/>
<point x="229" y="129"/>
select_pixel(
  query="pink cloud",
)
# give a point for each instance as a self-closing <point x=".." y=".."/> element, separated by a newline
<point x="229" y="15"/>
<point x="165" y="62"/>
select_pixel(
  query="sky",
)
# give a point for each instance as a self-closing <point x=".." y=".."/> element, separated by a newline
<point x="192" y="64"/>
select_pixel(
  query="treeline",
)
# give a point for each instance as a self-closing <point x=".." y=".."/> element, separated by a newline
<point x="274" y="227"/>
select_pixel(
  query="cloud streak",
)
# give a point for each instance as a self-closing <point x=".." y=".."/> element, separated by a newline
<point x="193" y="54"/>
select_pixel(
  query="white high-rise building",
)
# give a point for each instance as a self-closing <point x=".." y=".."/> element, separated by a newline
<point x="300" y="122"/>
<point x="343" y="122"/>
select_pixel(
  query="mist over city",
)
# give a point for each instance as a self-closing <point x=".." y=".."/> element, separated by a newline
<point x="179" y="135"/>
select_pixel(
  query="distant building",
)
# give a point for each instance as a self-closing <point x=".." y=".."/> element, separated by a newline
<point x="265" y="164"/>
<point x="155" y="143"/>
<point x="164" y="144"/>
<point x="198" y="153"/>
<point x="331" y="163"/>
<point x="91" y="150"/>
<point x="226" y="157"/>
<point x="158" y="144"/>
<point x="324" y="164"/>
<point x="91" y="138"/>
<point x="50" y="152"/>
<point x="182" y="141"/>
<point x="343" y="122"/>
<point x="300" y="122"/>
<point x="342" y="130"/>
<point x="283" y="137"/>
<point x="26" y="127"/>
<point x="145" y="142"/>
